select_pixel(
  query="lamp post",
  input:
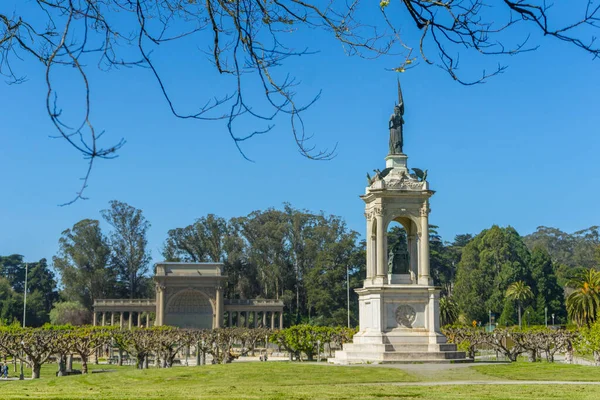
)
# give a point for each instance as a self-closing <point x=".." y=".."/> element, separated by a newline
<point x="546" y="315"/>
<point x="348" y="292"/>
<point x="25" y="295"/>
<point x="22" y="375"/>
<point x="552" y="319"/>
<point x="490" y="320"/>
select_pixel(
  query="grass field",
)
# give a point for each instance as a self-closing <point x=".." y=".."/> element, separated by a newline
<point x="282" y="380"/>
<point x="540" y="372"/>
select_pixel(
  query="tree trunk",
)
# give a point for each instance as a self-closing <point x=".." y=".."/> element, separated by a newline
<point x="120" y="358"/>
<point x="84" y="364"/>
<point x="35" y="370"/>
<point x="145" y="363"/>
<point x="519" y="315"/>
<point x="69" y="363"/>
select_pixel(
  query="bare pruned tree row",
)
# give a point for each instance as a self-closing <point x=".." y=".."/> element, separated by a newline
<point x="249" y="38"/>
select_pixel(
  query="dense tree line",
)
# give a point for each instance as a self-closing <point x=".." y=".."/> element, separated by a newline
<point x="289" y="254"/>
<point x="94" y="265"/>
<point x="41" y="290"/>
<point x="490" y="263"/>
<point x="305" y="259"/>
<point x="571" y="253"/>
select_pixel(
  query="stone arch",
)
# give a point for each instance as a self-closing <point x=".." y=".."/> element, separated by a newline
<point x="190" y="308"/>
<point x="412" y="226"/>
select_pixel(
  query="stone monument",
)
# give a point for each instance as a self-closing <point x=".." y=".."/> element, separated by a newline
<point x="398" y="303"/>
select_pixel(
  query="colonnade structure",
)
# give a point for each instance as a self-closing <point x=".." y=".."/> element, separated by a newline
<point x="398" y="303"/>
<point x="189" y="295"/>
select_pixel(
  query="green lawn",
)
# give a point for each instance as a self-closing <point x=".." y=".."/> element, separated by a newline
<point x="541" y="371"/>
<point x="282" y="380"/>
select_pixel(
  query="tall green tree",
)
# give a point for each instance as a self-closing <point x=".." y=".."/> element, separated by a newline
<point x="83" y="263"/>
<point x="12" y="268"/>
<point x="520" y="292"/>
<point x="199" y="242"/>
<point x="41" y="279"/>
<point x="490" y="262"/>
<point x="129" y="247"/>
<point x="548" y="294"/>
<point x="571" y="253"/>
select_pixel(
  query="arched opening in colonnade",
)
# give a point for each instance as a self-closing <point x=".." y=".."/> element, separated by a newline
<point x="190" y="309"/>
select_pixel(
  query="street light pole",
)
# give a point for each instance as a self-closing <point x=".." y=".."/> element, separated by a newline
<point x="546" y="315"/>
<point x="25" y="295"/>
<point x="348" y="292"/>
<point x="22" y="375"/>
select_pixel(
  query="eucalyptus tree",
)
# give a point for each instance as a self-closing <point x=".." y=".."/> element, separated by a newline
<point x="266" y="234"/>
<point x="129" y="246"/>
<point x="83" y="263"/>
<point x="199" y="242"/>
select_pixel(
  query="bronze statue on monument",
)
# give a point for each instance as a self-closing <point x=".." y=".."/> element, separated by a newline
<point x="396" y="125"/>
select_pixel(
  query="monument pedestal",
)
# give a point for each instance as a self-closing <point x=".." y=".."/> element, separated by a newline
<point x="399" y="323"/>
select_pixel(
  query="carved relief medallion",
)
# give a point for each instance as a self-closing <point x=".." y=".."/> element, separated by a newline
<point x="405" y="315"/>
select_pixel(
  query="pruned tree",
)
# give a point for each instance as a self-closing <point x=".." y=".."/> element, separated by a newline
<point x="32" y="346"/>
<point x="246" y="40"/>
<point x="87" y="340"/>
<point x="137" y="342"/>
<point x="169" y="341"/>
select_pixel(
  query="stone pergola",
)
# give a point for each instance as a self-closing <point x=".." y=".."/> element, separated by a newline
<point x="189" y="295"/>
<point x="130" y="312"/>
<point x="255" y="313"/>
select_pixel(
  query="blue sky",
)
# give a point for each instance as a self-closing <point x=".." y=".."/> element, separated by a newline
<point x="520" y="150"/>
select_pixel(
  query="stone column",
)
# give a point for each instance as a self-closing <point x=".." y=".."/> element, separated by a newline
<point x="247" y="319"/>
<point x="370" y="249"/>
<point x="160" y="305"/>
<point x="280" y="320"/>
<point x="148" y="322"/>
<point x="219" y="307"/>
<point x="264" y="319"/>
<point x="95" y="318"/>
<point x="272" y="320"/>
<point x="130" y="320"/>
<point x="413" y="254"/>
<point x="239" y="318"/>
<point x="381" y="267"/>
<point x="424" y="244"/>
<point x="103" y="318"/>
<point x="229" y="319"/>
<point x="112" y="319"/>
<point x="139" y="319"/>
<point x="121" y="320"/>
